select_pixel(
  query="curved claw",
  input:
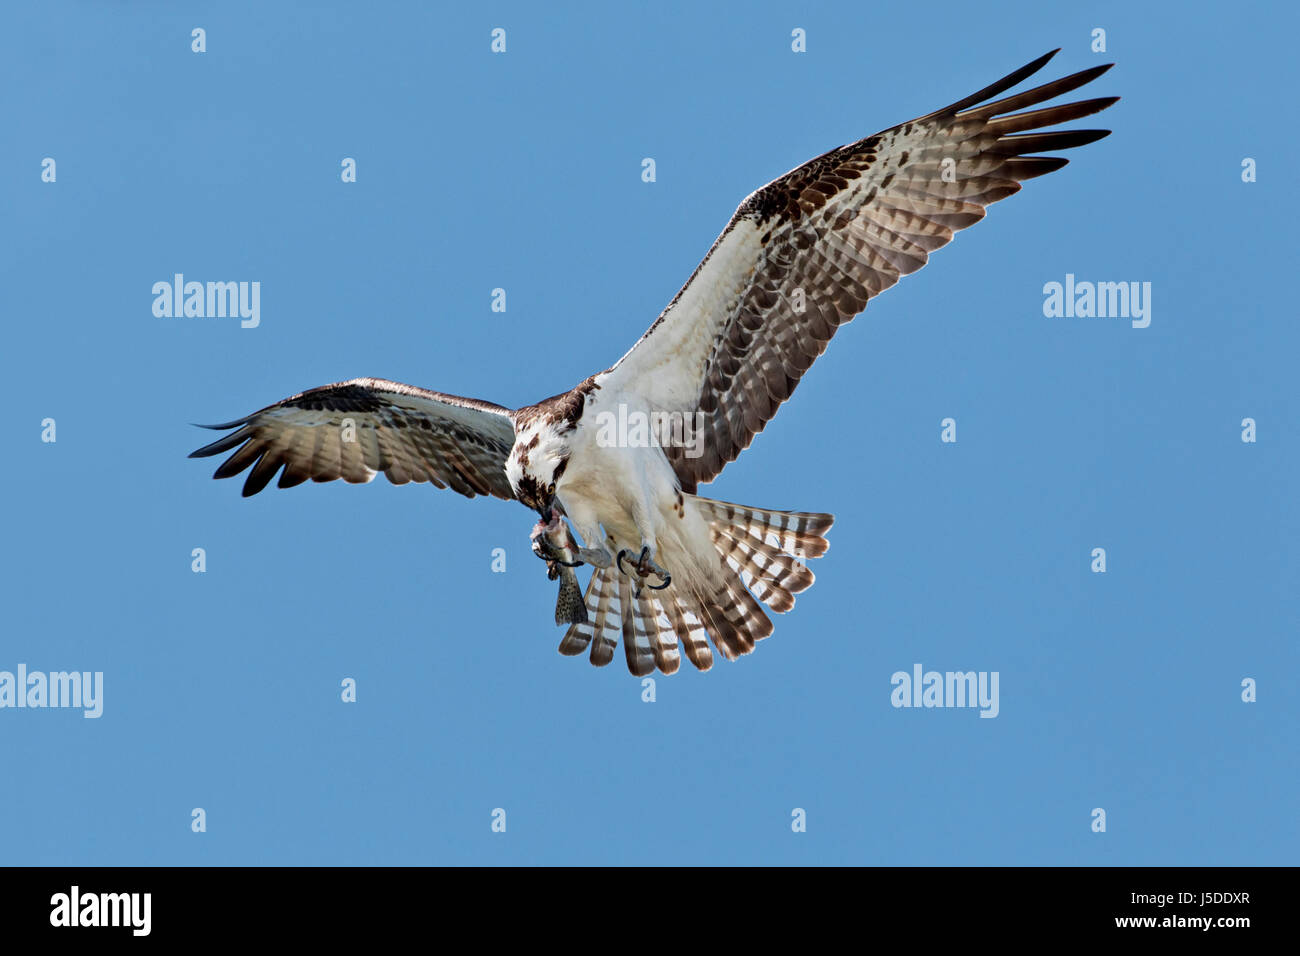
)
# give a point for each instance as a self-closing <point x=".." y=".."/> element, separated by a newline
<point x="643" y="574"/>
<point x="569" y="564"/>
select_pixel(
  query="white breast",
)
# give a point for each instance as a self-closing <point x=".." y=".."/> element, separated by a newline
<point x="619" y="478"/>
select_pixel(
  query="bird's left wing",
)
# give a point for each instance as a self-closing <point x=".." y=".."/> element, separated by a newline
<point x="802" y="256"/>
<point x="354" y="430"/>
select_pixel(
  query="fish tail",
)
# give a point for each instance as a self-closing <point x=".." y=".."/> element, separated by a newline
<point x="570" y="608"/>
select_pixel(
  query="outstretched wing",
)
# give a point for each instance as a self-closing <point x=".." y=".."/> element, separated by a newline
<point x="805" y="253"/>
<point x="354" y="430"/>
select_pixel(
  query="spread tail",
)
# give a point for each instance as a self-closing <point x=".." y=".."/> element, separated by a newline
<point x="759" y="551"/>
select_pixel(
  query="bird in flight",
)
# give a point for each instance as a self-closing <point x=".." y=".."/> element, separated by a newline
<point x="621" y="456"/>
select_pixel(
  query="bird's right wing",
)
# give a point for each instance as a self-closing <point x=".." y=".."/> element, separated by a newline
<point x="354" y="430"/>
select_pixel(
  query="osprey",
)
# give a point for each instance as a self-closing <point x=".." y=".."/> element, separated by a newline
<point x="800" y="257"/>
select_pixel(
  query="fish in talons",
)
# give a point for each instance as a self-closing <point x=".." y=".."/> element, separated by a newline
<point x="553" y="542"/>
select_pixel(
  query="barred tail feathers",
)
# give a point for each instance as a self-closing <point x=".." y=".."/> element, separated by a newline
<point x="768" y="548"/>
<point x="759" y="551"/>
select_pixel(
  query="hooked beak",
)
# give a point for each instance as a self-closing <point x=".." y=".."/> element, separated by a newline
<point x="547" y="511"/>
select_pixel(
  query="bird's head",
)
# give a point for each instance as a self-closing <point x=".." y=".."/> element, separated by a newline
<point x="536" y="462"/>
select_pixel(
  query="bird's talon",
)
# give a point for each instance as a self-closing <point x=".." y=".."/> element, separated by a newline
<point x="644" y="567"/>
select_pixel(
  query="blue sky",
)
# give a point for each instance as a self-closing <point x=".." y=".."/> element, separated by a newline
<point x="522" y="171"/>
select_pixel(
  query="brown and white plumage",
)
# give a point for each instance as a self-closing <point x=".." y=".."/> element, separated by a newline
<point x="841" y="228"/>
<point x="408" y="433"/>
<point x="765" y="549"/>
<point x="800" y="257"/>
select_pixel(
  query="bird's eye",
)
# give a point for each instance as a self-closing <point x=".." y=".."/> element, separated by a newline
<point x="551" y="489"/>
